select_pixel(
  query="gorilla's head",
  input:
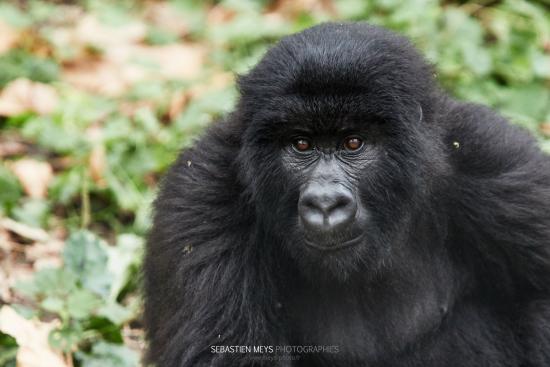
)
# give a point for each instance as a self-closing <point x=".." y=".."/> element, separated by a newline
<point x="335" y="147"/>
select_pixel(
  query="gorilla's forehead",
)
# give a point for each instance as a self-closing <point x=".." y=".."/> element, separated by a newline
<point x="322" y="114"/>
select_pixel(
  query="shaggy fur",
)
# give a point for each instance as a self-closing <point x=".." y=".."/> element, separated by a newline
<point x="456" y="267"/>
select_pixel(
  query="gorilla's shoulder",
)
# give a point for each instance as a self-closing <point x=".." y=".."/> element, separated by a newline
<point x="203" y="182"/>
<point x="482" y="143"/>
<point x="501" y="193"/>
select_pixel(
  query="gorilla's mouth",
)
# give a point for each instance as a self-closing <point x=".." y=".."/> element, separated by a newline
<point x="331" y="246"/>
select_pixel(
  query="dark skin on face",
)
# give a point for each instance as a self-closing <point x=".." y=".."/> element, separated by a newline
<point x="330" y="211"/>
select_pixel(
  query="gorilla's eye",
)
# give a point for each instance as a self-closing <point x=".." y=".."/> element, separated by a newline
<point x="352" y="143"/>
<point x="302" y="144"/>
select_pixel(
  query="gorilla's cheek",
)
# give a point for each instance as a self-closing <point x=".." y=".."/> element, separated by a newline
<point x="276" y="202"/>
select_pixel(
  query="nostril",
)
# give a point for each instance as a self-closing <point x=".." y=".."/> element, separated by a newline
<point x="342" y="211"/>
<point x="310" y="204"/>
<point x="340" y="203"/>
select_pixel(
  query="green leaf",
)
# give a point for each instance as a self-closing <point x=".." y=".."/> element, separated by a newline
<point x="13" y="16"/>
<point x="82" y="303"/>
<point x="122" y="257"/>
<point x="126" y="192"/>
<point x="33" y="212"/>
<point x="247" y="28"/>
<point x="477" y="59"/>
<point x="49" y="282"/>
<point x="66" y="186"/>
<point x="86" y="256"/>
<point x="8" y="350"/>
<point x="352" y="8"/>
<point x="146" y="118"/>
<point x="159" y="36"/>
<point x="101" y="326"/>
<point x="115" y="312"/>
<point x="529" y="100"/>
<point x="53" y="134"/>
<point x="541" y="65"/>
<point x="53" y="304"/>
<point x="67" y="338"/>
<point x="10" y="190"/>
<point x="20" y="64"/>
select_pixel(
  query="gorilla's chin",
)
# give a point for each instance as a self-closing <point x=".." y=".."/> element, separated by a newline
<point x="358" y="258"/>
<point x="340" y="260"/>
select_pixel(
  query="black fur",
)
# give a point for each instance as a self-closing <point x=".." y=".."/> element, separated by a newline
<point x="456" y="269"/>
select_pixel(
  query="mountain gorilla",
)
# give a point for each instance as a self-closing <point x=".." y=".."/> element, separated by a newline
<point x="349" y="213"/>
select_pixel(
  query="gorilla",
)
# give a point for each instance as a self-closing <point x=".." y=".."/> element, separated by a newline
<point x="350" y="213"/>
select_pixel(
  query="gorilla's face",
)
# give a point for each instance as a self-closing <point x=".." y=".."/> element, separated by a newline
<point x="331" y="215"/>
<point x="333" y="181"/>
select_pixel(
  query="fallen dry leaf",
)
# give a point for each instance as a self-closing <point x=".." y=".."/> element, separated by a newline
<point x="177" y="61"/>
<point x="91" y="31"/>
<point x="5" y="294"/>
<point x="124" y="59"/>
<point x="97" y="160"/>
<point x="6" y="247"/>
<point x="10" y="146"/>
<point x="134" y="338"/>
<point x="13" y="268"/>
<point x="219" y="14"/>
<point x="82" y="31"/>
<point x="129" y="108"/>
<point x="98" y="76"/>
<point x="293" y="8"/>
<point x="23" y="95"/>
<point x="24" y="230"/>
<point x="15" y="272"/>
<point x="8" y="37"/>
<point x="97" y="164"/>
<point x="34" y="176"/>
<point x="32" y="338"/>
<point x="124" y="65"/>
<point x="164" y="16"/>
<point x="45" y="254"/>
<point x="545" y="129"/>
<point x="178" y="101"/>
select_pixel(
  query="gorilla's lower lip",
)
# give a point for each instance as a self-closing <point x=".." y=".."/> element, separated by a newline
<point x="348" y="243"/>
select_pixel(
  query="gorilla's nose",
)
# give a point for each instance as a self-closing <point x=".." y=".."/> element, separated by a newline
<point x="324" y="208"/>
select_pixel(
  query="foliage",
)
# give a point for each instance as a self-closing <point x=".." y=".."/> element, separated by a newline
<point x="18" y="63"/>
<point x="83" y="295"/>
<point x="130" y="83"/>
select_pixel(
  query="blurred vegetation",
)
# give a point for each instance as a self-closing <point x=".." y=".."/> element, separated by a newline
<point x="99" y="96"/>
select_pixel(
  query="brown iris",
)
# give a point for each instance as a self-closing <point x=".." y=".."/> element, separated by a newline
<point x="302" y="145"/>
<point x="353" y="143"/>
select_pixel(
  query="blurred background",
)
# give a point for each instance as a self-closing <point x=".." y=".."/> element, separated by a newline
<point x="97" y="97"/>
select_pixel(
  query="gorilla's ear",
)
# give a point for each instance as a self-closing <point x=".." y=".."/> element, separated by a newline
<point x="420" y="113"/>
<point x="409" y="112"/>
